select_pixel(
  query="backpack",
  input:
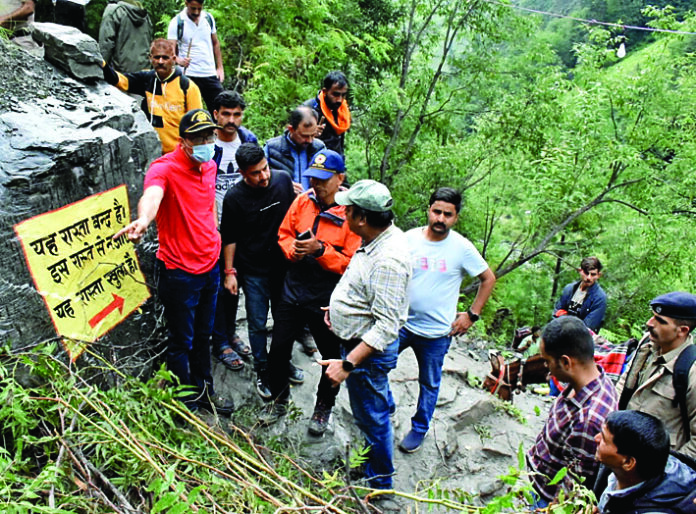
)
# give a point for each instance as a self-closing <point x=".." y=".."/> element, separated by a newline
<point x="680" y="381"/>
<point x="180" y="25"/>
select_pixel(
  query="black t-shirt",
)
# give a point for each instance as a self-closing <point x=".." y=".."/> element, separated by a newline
<point x="251" y="218"/>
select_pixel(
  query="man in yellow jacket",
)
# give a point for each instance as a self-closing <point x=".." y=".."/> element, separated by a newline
<point x="168" y="93"/>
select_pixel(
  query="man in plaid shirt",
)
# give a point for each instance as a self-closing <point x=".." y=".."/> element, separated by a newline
<point x="576" y="417"/>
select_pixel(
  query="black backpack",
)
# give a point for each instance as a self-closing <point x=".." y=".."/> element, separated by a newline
<point x="180" y="25"/>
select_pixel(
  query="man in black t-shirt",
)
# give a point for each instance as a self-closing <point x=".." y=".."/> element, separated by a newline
<point x="251" y="215"/>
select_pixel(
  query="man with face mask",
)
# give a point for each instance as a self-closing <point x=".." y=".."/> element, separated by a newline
<point x="179" y="193"/>
<point x="332" y="108"/>
<point x="168" y="93"/>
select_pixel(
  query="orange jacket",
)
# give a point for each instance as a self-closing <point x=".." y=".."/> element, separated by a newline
<point x="311" y="280"/>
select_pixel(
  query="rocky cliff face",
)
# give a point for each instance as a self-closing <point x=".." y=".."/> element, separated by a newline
<point x="61" y="140"/>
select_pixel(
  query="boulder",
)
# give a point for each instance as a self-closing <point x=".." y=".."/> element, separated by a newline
<point x="71" y="50"/>
<point x="61" y="141"/>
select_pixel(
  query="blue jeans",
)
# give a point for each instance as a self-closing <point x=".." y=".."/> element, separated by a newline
<point x="368" y="389"/>
<point x="430" y="354"/>
<point x="259" y="293"/>
<point x="189" y="307"/>
<point x="225" y="326"/>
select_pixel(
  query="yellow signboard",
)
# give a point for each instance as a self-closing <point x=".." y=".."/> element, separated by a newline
<point x="89" y="280"/>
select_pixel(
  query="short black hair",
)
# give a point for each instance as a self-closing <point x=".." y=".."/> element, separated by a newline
<point x="334" y="77"/>
<point x="373" y="218"/>
<point x="299" y="114"/>
<point x="229" y="99"/>
<point x="643" y="437"/>
<point x="448" y="195"/>
<point x="248" y="155"/>
<point x="689" y="323"/>
<point x="590" y="263"/>
<point x="569" y="336"/>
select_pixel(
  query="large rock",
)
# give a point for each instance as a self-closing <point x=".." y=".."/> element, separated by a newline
<point x="60" y="141"/>
<point x="69" y="49"/>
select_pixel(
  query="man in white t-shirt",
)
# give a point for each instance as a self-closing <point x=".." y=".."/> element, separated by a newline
<point x="195" y="33"/>
<point x="228" y="111"/>
<point x="440" y="258"/>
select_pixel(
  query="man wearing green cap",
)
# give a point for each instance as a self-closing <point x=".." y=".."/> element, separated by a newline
<point x="368" y="307"/>
<point x="649" y="385"/>
<point x="179" y="194"/>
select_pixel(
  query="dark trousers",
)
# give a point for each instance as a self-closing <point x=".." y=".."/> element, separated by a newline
<point x="189" y="307"/>
<point x="210" y="87"/>
<point x="225" y="326"/>
<point x="289" y="321"/>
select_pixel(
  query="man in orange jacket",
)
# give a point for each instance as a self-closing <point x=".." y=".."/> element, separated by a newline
<point x="316" y="239"/>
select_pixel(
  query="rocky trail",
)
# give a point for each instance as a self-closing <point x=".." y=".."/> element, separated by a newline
<point x="472" y="440"/>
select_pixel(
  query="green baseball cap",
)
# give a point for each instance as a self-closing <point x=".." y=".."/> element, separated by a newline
<point x="366" y="194"/>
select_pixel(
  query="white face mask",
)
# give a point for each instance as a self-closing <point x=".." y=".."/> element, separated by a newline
<point x="203" y="153"/>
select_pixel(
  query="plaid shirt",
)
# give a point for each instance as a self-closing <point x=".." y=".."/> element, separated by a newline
<point x="370" y="302"/>
<point x="567" y="439"/>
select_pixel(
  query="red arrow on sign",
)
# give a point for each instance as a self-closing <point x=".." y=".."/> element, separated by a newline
<point x="116" y="304"/>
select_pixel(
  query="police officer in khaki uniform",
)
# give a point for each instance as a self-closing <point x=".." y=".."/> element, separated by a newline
<point x="648" y="382"/>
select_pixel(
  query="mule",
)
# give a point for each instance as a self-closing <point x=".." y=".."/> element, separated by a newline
<point x="507" y="378"/>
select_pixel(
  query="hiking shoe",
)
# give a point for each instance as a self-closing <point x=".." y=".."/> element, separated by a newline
<point x="262" y="387"/>
<point x="272" y="413"/>
<point x="296" y="375"/>
<point x="412" y="442"/>
<point x="319" y="422"/>
<point x="216" y="404"/>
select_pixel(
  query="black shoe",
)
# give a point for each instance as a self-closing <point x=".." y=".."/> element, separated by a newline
<point x="296" y="375"/>
<point x="273" y="412"/>
<point x="217" y="404"/>
<point x="262" y="387"/>
<point x="320" y="421"/>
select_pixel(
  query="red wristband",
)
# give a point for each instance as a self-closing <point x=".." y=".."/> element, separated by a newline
<point x="230" y="271"/>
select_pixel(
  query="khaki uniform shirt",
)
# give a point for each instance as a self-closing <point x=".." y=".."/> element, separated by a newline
<point x="655" y="393"/>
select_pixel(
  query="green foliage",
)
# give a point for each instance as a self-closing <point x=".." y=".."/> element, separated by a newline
<point x="511" y="410"/>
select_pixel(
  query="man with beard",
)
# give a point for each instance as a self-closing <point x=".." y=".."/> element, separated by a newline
<point x="195" y="33"/>
<point x="649" y="384"/>
<point x="294" y="150"/>
<point x="567" y="439"/>
<point x="168" y="94"/>
<point x="251" y="214"/>
<point x="440" y="259"/>
<point x="332" y="108"/>
<point x="585" y="299"/>
<point x="179" y="194"/>
<point x="228" y="111"/>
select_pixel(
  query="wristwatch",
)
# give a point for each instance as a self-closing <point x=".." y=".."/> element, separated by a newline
<point x="348" y="366"/>
<point x="473" y="317"/>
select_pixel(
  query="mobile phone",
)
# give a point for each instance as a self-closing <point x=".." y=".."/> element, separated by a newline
<point x="307" y="234"/>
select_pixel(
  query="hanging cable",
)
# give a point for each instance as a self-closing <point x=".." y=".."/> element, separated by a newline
<point x="590" y="22"/>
